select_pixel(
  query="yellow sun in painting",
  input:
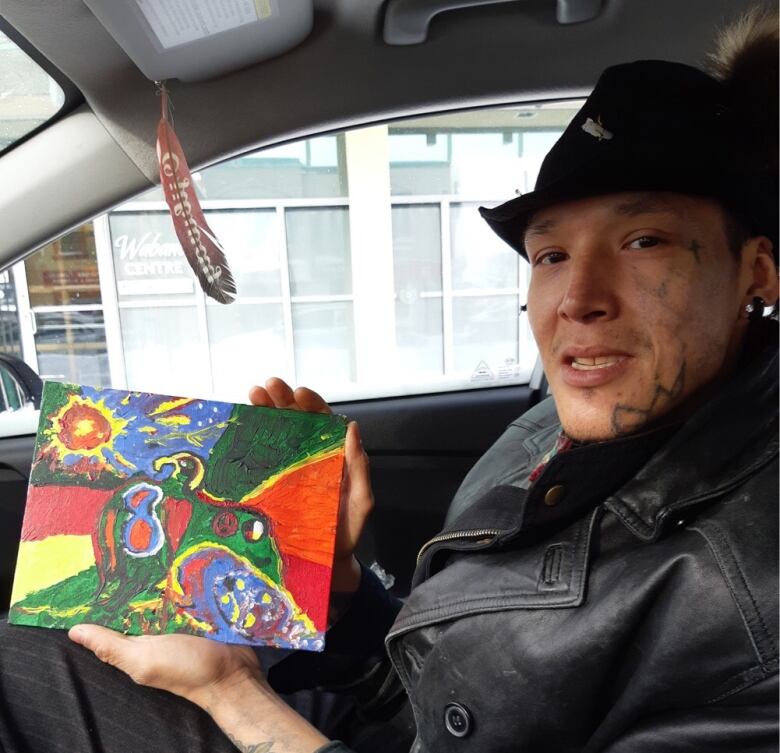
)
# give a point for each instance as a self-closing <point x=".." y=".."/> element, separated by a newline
<point x="86" y="428"/>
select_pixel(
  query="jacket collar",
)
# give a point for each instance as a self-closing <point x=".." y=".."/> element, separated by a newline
<point x="725" y="442"/>
<point x="571" y="483"/>
<point x="643" y="478"/>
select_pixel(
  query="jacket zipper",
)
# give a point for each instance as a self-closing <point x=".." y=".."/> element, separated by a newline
<point x="456" y="535"/>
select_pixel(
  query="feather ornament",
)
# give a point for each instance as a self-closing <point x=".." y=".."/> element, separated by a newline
<point x="201" y="247"/>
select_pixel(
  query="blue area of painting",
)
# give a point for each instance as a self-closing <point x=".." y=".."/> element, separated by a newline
<point x="150" y="438"/>
<point x="139" y="501"/>
<point x="240" y="605"/>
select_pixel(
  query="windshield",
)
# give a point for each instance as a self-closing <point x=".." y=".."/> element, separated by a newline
<point x="28" y="95"/>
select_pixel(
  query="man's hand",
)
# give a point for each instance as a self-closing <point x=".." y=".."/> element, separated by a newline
<point x="191" y="667"/>
<point x="224" y="680"/>
<point x="357" y="499"/>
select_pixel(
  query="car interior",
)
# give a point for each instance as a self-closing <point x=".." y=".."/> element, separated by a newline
<point x="417" y="335"/>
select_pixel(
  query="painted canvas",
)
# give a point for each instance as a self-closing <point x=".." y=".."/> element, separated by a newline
<point x="155" y="514"/>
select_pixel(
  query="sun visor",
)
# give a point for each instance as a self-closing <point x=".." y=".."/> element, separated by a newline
<point x="193" y="40"/>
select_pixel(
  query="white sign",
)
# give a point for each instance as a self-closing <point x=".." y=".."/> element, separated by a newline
<point x="177" y="22"/>
<point x="145" y="265"/>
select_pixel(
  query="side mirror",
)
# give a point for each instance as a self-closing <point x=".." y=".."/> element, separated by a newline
<point x="19" y="384"/>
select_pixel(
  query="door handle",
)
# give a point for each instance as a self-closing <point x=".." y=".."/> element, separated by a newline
<point x="406" y="21"/>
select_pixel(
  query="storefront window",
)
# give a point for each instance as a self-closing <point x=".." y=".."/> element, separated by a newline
<point x="63" y="296"/>
<point x="10" y="333"/>
<point x="361" y="263"/>
<point x="252" y="338"/>
<point x="418" y="286"/>
<point x="318" y="251"/>
<point x="165" y="351"/>
<point x="71" y="346"/>
<point x="479" y="257"/>
<point x="65" y="272"/>
<point x="324" y="343"/>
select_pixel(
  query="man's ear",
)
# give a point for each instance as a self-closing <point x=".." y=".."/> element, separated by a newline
<point x="759" y="271"/>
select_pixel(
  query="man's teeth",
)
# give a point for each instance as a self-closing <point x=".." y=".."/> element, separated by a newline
<point x="600" y="362"/>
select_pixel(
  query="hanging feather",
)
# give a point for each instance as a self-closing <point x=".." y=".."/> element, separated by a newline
<point x="201" y="247"/>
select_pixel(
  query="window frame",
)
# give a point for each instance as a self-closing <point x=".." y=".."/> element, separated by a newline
<point x="72" y="95"/>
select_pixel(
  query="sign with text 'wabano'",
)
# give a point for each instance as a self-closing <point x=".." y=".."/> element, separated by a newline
<point x="148" y="259"/>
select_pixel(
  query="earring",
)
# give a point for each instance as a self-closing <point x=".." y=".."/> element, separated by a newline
<point x="755" y="309"/>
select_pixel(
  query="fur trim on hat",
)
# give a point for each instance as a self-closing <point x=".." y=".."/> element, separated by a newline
<point x="745" y="60"/>
<point x="746" y="46"/>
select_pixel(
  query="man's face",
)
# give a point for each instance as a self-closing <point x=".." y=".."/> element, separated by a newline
<point x="635" y="304"/>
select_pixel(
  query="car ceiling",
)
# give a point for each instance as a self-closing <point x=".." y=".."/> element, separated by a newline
<point x="342" y="75"/>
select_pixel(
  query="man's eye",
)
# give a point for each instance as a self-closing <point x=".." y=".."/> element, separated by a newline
<point x="550" y="257"/>
<point x="645" y="241"/>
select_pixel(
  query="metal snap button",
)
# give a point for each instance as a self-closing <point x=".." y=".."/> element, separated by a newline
<point x="457" y="720"/>
<point x="554" y="495"/>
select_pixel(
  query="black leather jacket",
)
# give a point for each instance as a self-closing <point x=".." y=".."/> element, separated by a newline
<point x="624" y="602"/>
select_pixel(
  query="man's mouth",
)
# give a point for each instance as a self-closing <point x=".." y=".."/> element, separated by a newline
<point x="598" y="362"/>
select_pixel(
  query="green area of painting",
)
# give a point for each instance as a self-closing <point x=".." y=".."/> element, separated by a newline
<point x="263" y="554"/>
<point x="74" y="601"/>
<point x="250" y="451"/>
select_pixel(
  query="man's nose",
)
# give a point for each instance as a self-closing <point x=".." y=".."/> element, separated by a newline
<point x="590" y="293"/>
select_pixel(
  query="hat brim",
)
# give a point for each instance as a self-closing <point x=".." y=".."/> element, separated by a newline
<point x="743" y="193"/>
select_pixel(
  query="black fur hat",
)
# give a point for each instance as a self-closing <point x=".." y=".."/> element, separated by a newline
<point x="655" y="125"/>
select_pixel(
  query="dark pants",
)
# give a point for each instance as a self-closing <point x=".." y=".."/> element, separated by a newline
<point x="57" y="697"/>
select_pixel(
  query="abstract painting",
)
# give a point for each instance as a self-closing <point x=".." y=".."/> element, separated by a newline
<point x="155" y="514"/>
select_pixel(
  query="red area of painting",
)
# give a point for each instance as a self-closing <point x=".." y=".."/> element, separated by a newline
<point x="309" y="583"/>
<point x="303" y="524"/>
<point x="137" y="498"/>
<point x="176" y="518"/>
<point x="224" y="523"/>
<point x="194" y="576"/>
<point x="83" y="428"/>
<point x="140" y="535"/>
<point x="88" y="466"/>
<point x="53" y="510"/>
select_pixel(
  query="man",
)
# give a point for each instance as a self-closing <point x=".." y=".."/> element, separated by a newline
<point x="607" y="576"/>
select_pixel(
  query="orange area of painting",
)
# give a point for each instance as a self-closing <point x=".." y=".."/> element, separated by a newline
<point x="140" y="535"/>
<point x="293" y="500"/>
<point x="43" y="563"/>
<point x="110" y="543"/>
<point x="53" y="510"/>
<point x="83" y="427"/>
<point x="301" y="525"/>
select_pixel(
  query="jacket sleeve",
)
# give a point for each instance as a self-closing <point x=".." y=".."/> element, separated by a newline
<point x="354" y="647"/>
<point x="744" y="721"/>
<point x="355" y="663"/>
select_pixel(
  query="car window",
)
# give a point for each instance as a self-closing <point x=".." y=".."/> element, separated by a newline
<point x="363" y="269"/>
<point x="28" y="95"/>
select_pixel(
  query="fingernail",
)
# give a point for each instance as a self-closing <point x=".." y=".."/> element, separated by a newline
<point x="357" y="433"/>
<point x="76" y="633"/>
